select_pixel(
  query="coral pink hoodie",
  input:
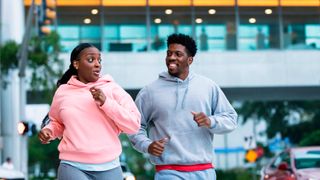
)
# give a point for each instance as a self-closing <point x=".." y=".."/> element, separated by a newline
<point x="90" y="132"/>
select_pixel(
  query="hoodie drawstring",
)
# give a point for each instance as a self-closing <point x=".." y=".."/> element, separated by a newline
<point x="177" y="94"/>
<point x="184" y="95"/>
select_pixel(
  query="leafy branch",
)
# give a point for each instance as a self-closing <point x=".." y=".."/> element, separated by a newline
<point x="44" y="65"/>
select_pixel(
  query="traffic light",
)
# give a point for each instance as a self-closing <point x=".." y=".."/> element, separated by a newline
<point x="26" y="128"/>
<point x="46" y="16"/>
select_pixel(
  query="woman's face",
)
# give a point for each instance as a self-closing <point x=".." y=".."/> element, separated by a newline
<point x="88" y="65"/>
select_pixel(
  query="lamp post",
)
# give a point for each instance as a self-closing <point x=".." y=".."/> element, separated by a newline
<point x="23" y="58"/>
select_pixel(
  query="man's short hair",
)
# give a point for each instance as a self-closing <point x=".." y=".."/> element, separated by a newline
<point x="184" y="40"/>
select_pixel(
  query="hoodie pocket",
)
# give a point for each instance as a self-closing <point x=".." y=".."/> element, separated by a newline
<point x="182" y="122"/>
<point x="192" y="147"/>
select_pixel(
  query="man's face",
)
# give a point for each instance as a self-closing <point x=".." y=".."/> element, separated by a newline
<point x="178" y="61"/>
<point x="88" y="65"/>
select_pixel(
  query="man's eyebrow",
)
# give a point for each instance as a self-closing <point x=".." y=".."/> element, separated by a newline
<point x="174" y="51"/>
<point x="178" y="51"/>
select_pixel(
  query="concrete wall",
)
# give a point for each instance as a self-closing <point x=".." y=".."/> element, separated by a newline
<point x="228" y="69"/>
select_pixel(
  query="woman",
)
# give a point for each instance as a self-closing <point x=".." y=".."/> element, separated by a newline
<point x="88" y="112"/>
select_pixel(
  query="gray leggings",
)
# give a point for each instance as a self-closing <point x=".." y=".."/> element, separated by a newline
<point x="68" y="172"/>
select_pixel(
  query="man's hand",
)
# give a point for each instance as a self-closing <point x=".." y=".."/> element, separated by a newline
<point x="98" y="95"/>
<point x="201" y="119"/>
<point x="45" y="136"/>
<point x="156" y="148"/>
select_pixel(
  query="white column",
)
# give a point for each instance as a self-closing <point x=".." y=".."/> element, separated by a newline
<point x="11" y="28"/>
<point x="10" y="118"/>
<point x="12" y="20"/>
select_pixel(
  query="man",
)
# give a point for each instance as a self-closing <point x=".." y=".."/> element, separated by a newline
<point x="181" y="112"/>
<point x="8" y="164"/>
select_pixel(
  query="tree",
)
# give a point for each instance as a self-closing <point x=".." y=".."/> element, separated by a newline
<point x="8" y="58"/>
<point x="312" y="139"/>
<point x="43" y="61"/>
<point x="45" y="65"/>
<point x="286" y="117"/>
<point x="42" y="154"/>
<point x="45" y="68"/>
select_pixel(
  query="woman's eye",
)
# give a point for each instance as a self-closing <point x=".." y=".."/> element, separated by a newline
<point x="90" y="60"/>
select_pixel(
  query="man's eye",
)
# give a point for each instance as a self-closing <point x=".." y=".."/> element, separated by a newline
<point x="179" y="54"/>
<point x="99" y="60"/>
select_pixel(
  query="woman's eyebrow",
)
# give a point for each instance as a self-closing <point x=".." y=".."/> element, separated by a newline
<point x="92" y="54"/>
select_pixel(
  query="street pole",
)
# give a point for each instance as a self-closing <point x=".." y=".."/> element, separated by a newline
<point x="148" y="26"/>
<point x="226" y="146"/>
<point x="23" y="58"/>
<point x="1" y="140"/>
<point x="280" y="21"/>
<point x="193" y="17"/>
<point x="237" y="23"/>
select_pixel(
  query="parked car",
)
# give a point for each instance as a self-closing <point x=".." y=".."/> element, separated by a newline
<point x="302" y="163"/>
<point x="127" y="174"/>
<point x="8" y="174"/>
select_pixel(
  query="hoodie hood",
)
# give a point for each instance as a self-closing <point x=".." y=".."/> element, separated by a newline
<point x="102" y="80"/>
<point x="182" y="86"/>
<point x="167" y="77"/>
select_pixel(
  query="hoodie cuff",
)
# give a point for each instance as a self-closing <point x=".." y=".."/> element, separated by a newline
<point x="213" y="122"/>
<point x="107" y="106"/>
<point x="49" y="126"/>
<point x="145" y="146"/>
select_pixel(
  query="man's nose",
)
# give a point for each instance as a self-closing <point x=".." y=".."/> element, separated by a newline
<point x="172" y="57"/>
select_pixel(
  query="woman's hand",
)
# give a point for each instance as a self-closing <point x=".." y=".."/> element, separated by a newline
<point x="98" y="95"/>
<point x="45" y="136"/>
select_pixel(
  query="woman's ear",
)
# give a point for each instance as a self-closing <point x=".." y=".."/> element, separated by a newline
<point x="75" y="64"/>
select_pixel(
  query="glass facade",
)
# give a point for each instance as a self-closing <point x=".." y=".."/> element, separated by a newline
<point x="221" y="25"/>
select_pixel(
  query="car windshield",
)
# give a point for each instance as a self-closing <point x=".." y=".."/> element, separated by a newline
<point x="309" y="159"/>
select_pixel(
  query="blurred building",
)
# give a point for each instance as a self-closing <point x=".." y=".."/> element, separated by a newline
<point x="259" y="44"/>
<point x="132" y="25"/>
<point x="283" y="64"/>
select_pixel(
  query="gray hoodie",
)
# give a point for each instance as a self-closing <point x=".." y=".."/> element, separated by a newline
<point x="165" y="106"/>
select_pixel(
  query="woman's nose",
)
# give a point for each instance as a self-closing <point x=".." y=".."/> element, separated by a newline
<point x="97" y="62"/>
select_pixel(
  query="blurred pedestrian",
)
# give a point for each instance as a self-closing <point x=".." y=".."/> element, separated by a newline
<point x="158" y="43"/>
<point x="260" y="38"/>
<point x="8" y="164"/>
<point x="88" y="112"/>
<point x="181" y="111"/>
<point x="203" y="40"/>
